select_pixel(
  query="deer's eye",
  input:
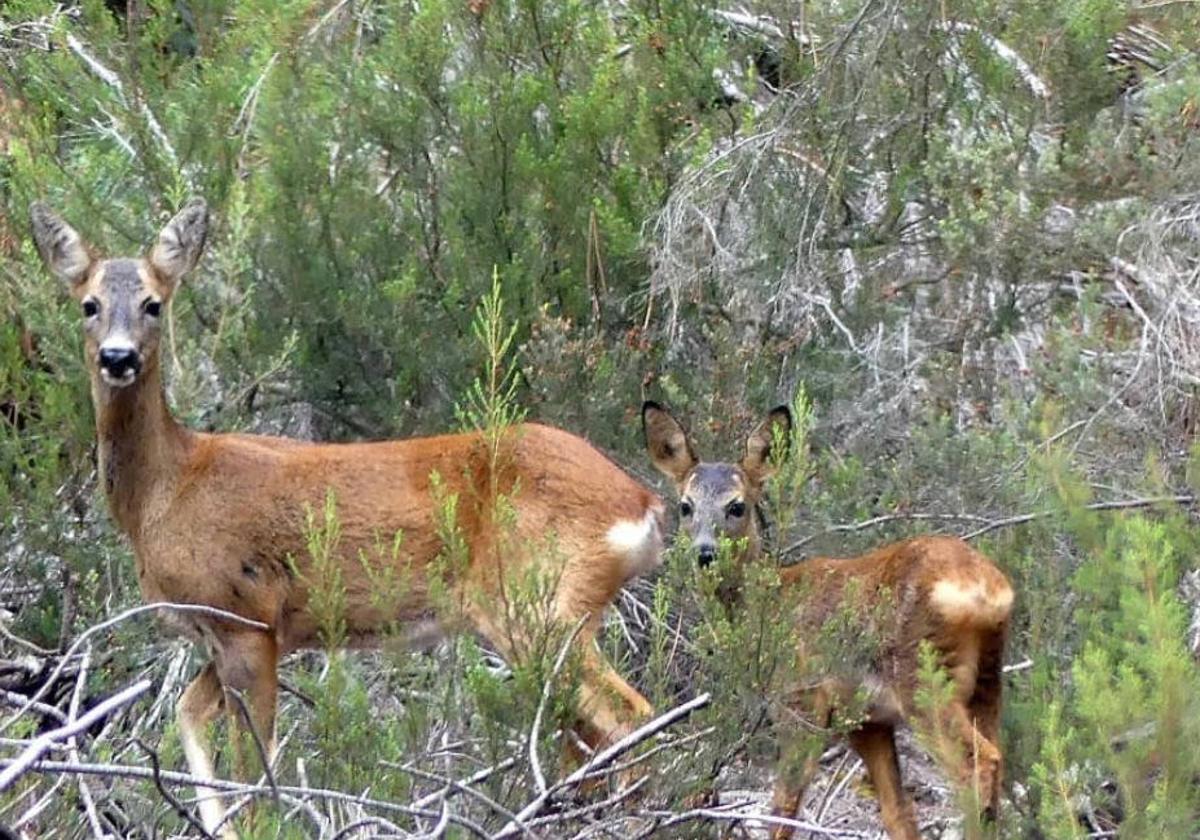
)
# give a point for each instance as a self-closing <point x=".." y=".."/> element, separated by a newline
<point x="736" y="510"/>
<point x="685" y="509"/>
<point x="91" y="308"/>
<point x="152" y="307"/>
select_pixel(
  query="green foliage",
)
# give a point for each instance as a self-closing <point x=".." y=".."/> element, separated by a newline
<point x="790" y="460"/>
<point x="1127" y="713"/>
<point x="491" y="405"/>
<point x="880" y="231"/>
<point x="321" y="575"/>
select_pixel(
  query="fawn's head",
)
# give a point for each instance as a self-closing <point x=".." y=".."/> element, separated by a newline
<point x="122" y="299"/>
<point x="716" y="499"/>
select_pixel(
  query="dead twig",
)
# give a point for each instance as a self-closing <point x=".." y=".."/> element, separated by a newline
<point x="194" y="609"/>
<point x="167" y="796"/>
<point x="15" y="768"/>
<point x="453" y="786"/>
<point x="85" y="793"/>
<point x="114" y="81"/>
<point x="670" y="818"/>
<point x="236" y="788"/>
<point x="988" y="525"/>
<point x="535" y="730"/>
<point x="456" y="785"/>
<point x="604" y="758"/>
<point x="263" y="755"/>
<point x="883" y="520"/>
<point x="1125" y="504"/>
<point x="25" y="643"/>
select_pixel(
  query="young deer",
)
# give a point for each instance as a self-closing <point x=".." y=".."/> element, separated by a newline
<point x="937" y="590"/>
<point x="219" y="519"/>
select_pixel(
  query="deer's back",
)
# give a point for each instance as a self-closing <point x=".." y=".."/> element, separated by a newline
<point x="928" y="589"/>
<point x="236" y="531"/>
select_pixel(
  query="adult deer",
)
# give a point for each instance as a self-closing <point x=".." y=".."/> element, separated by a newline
<point x="933" y="590"/>
<point x="219" y="519"/>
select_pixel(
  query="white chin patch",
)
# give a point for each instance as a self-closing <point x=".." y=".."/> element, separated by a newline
<point x="121" y="381"/>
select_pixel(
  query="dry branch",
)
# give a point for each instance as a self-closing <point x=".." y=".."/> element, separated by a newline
<point x="167" y="796"/>
<point x="236" y="788"/>
<point x="604" y="758"/>
<point x="114" y="81"/>
<point x="194" y="609"/>
<point x="1125" y="504"/>
<point x="15" y="768"/>
<point x="988" y="525"/>
<point x="669" y="818"/>
<point x="453" y="786"/>
<point x="535" y="729"/>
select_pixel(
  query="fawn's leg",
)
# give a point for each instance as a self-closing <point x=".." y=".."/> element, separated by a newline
<point x="788" y="792"/>
<point x="876" y="743"/>
<point x="974" y="763"/>
<point x="984" y="709"/>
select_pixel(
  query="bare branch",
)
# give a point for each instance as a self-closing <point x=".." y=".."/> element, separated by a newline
<point x="675" y="818"/>
<point x="1126" y="504"/>
<point x="170" y="799"/>
<point x="194" y="609"/>
<point x="535" y="730"/>
<point x="114" y="81"/>
<point x="85" y="793"/>
<point x="453" y="786"/>
<point x="17" y="767"/>
<point x="988" y="525"/>
<point x="605" y="757"/>
<point x="236" y="788"/>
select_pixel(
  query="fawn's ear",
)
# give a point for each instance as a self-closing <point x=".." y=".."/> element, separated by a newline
<point x="667" y="442"/>
<point x="759" y="461"/>
<point x="63" y="250"/>
<point x="181" y="242"/>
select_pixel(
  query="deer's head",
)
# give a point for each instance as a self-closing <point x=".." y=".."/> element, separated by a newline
<point x="122" y="299"/>
<point x="716" y="498"/>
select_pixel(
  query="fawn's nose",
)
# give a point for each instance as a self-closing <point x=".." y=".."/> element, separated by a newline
<point x="119" y="361"/>
<point x="708" y="553"/>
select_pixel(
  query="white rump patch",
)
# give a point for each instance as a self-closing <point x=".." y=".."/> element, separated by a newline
<point x="973" y="601"/>
<point x="639" y="541"/>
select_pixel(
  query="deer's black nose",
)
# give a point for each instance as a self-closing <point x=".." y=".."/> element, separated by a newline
<point x="117" y="361"/>
<point x="707" y="554"/>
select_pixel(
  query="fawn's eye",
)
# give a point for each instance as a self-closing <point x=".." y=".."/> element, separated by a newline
<point x="736" y="510"/>
<point x="685" y="509"/>
<point x="91" y="308"/>
<point x="152" y="307"/>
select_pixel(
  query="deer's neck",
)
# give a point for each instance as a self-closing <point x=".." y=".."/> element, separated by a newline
<point x="141" y="448"/>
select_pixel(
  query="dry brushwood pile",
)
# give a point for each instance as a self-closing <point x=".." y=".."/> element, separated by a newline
<point x="960" y="240"/>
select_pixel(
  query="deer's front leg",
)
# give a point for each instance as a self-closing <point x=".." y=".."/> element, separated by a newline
<point x="246" y="666"/>
<point x="197" y="708"/>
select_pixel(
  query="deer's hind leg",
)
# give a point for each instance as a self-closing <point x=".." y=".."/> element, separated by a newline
<point x="984" y="708"/>
<point x="876" y="743"/>
<point x="965" y="728"/>
<point x="788" y="792"/>
<point x="609" y="707"/>
<point x="197" y="708"/>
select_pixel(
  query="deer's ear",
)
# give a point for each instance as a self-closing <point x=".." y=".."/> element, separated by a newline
<point x="63" y="250"/>
<point x="667" y="442"/>
<point x="758" y="462"/>
<point x="181" y="242"/>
